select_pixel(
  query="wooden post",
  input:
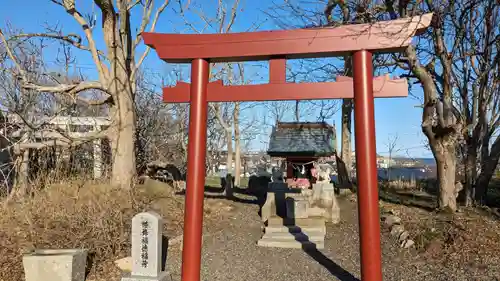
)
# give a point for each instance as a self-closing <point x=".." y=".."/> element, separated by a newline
<point x="197" y="146"/>
<point x="366" y="167"/>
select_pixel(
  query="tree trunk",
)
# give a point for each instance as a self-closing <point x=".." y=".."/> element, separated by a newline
<point x="439" y="124"/>
<point x="389" y="167"/>
<point x="488" y="168"/>
<point x="22" y="180"/>
<point x="297" y="111"/>
<point x="122" y="139"/>
<point x="446" y="169"/>
<point x="237" y="148"/>
<point x="347" y="106"/>
<point x="470" y="171"/>
<point x="229" y="162"/>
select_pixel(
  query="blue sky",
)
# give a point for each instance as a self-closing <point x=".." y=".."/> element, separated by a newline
<point x="395" y="116"/>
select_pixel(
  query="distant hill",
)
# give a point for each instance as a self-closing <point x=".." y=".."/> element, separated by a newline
<point x="426" y="161"/>
<point x="423" y="161"/>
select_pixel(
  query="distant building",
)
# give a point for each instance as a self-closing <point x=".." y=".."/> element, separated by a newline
<point x="384" y="162"/>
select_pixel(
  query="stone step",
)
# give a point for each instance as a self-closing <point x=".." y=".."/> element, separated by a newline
<point x="277" y="243"/>
<point x="295" y="237"/>
<point x="295" y="229"/>
<point x="308" y="222"/>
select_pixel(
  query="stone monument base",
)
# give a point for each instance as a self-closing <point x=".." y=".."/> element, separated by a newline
<point x="164" y="276"/>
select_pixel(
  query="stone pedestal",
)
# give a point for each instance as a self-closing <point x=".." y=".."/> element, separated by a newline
<point x="297" y="208"/>
<point x="55" y="265"/>
<point x="162" y="276"/>
<point x="324" y="198"/>
<point x="289" y="223"/>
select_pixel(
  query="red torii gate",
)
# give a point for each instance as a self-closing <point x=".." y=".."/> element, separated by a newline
<point x="360" y="41"/>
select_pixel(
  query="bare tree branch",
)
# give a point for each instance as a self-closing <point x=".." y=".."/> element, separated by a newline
<point x="143" y="26"/>
<point x="73" y="39"/>
<point x="70" y="7"/>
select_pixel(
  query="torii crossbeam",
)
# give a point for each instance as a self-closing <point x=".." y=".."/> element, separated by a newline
<point x="359" y="41"/>
<point x="383" y="88"/>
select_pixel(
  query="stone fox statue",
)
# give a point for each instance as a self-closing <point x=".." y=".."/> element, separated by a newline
<point x="322" y="176"/>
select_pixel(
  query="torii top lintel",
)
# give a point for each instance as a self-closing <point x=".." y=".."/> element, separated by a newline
<point x="384" y="36"/>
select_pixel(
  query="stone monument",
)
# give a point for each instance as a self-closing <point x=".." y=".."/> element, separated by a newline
<point x="147" y="248"/>
<point x="55" y="265"/>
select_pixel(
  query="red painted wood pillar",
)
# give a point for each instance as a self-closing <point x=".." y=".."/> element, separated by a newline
<point x="197" y="146"/>
<point x="366" y="167"/>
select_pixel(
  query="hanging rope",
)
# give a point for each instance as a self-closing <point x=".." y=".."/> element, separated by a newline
<point x="300" y="167"/>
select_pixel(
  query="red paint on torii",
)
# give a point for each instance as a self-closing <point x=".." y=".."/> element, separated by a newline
<point x="343" y="88"/>
<point x="360" y="41"/>
<point x="386" y="36"/>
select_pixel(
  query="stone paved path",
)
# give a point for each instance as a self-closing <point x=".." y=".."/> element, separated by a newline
<point x="230" y="253"/>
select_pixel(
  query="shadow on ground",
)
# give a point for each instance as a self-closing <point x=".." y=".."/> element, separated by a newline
<point x="426" y="198"/>
<point x="428" y="203"/>
<point x="312" y="251"/>
<point x="257" y="188"/>
<point x="335" y="269"/>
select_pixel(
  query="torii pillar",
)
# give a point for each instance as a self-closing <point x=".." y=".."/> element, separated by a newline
<point x="276" y="46"/>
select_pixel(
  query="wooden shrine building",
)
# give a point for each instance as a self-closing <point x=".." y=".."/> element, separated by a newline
<point x="301" y="143"/>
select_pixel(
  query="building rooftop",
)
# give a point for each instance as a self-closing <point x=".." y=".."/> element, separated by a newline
<point x="315" y="139"/>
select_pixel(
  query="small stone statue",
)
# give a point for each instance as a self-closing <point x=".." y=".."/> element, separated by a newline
<point x="277" y="175"/>
<point x="322" y="176"/>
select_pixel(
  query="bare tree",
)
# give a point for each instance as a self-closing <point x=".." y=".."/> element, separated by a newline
<point x="161" y="128"/>
<point x="226" y="114"/>
<point x="117" y="68"/>
<point x="436" y="63"/>
<point x="443" y="122"/>
<point x="440" y="122"/>
<point x="277" y="111"/>
<point x="391" y="144"/>
<point x="475" y="74"/>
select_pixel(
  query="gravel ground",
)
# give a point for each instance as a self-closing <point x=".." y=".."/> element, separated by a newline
<point x="230" y="253"/>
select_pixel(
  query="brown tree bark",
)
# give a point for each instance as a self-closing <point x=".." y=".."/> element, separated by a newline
<point x="346" y="138"/>
<point x="237" y="144"/>
<point x="229" y="162"/>
<point x="439" y="124"/>
<point x="470" y="172"/>
<point x="346" y="145"/>
<point x="446" y="170"/>
<point x="118" y="40"/>
<point x="347" y="104"/>
<point x="297" y="111"/>
<point x="122" y="140"/>
<point x="488" y="167"/>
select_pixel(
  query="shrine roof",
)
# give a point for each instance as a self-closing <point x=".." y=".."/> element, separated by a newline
<point x="315" y="139"/>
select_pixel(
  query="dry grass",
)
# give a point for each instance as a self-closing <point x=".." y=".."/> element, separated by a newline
<point x="94" y="217"/>
<point x="91" y="216"/>
<point x="403" y="184"/>
<point x="466" y="240"/>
